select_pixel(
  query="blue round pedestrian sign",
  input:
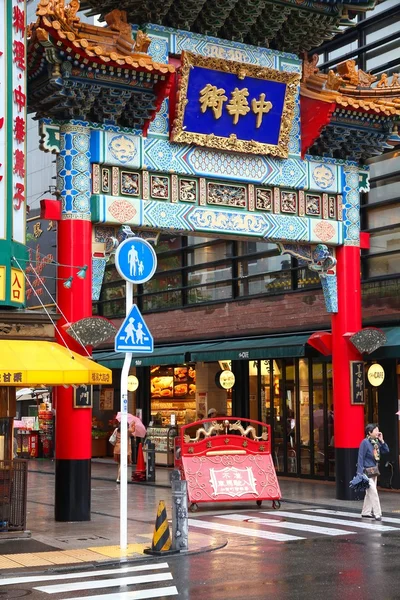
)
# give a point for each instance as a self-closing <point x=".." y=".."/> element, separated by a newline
<point x="136" y="260"/>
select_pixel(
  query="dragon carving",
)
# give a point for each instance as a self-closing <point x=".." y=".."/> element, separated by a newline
<point x="219" y="427"/>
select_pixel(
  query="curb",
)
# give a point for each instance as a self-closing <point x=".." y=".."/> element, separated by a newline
<point x="219" y="544"/>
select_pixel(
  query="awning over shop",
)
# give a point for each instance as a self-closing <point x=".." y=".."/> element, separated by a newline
<point x="392" y="347"/>
<point x="34" y="363"/>
<point x="268" y="347"/>
<point x="173" y="355"/>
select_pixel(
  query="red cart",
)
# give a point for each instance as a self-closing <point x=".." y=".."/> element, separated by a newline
<point x="227" y="459"/>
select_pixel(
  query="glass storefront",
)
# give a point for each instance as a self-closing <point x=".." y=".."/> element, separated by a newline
<point x="295" y="397"/>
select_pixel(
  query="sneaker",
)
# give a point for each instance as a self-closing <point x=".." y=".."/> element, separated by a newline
<point x="117" y="480"/>
<point x="378" y="518"/>
<point x="368" y="516"/>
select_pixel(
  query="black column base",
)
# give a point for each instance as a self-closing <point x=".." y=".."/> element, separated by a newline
<point x="73" y="490"/>
<point x="346" y="467"/>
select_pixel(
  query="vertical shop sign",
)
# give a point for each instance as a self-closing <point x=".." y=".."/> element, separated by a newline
<point x="357" y="381"/>
<point x="17" y="156"/>
<point x="12" y="151"/>
<point x="3" y="89"/>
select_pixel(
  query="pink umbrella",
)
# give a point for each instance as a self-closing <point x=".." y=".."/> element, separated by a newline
<point x="140" y="429"/>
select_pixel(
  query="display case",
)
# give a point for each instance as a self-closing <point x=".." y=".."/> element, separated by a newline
<point x="163" y="439"/>
<point x="173" y="391"/>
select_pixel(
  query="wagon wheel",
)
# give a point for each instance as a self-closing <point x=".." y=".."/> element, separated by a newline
<point x="193" y="507"/>
<point x="276" y="504"/>
<point x="259" y="502"/>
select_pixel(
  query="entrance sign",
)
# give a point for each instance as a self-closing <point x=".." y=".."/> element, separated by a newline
<point x="235" y="106"/>
<point x="136" y="260"/>
<point x="134" y="335"/>
<point x="376" y="375"/>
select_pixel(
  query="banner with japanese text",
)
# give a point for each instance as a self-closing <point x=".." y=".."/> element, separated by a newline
<point x="12" y="152"/>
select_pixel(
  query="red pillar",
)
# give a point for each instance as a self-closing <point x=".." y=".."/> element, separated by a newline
<point x="73" y="425"/>
<point x="349" y="419"/>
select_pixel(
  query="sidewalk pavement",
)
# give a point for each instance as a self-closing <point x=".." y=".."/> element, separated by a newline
<point x="54" y="544"/>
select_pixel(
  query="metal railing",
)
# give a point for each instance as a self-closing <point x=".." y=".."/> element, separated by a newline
<point x="13" y="494"/>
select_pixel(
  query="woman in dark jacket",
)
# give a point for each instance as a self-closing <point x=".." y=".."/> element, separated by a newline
<point x="369" y="455"/>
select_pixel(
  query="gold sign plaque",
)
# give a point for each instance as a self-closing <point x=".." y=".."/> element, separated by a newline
<point x="376" y="375"/>
<point x="235" y="106"/>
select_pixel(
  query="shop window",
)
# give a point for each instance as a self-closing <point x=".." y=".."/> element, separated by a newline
<point x="292" y="421"/>
<point x="384" y="166"/>
<point x="211" y="274"/>
<point x="383" y="216"/>
<point x="385" y="241"/>
<point x="209" y="293"/>
<point x="208" y="254"/>
<point x="116" y="308"/>
<point x="254" y="393"/>
<point x="165" y="300"/>
<point x="318" y="417"/>
<point x="331" y="421"/>
<point x="278" y="421"/>
<point x="264" y="264"/>
<point x="255" y="247"/>
<point x="168" y="243"/>
<point x="305" y="277"/>
<point x="304" y="417"/>
<point x="173" y="392"/>
<point x="385" y="189"/>
<point x="380" y="266"/>
<point x="270" y="283"/>
<point x="169" y="263"/>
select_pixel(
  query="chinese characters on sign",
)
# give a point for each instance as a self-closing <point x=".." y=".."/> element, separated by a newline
<point x="18" y="124"/>
<point x="238" y="105"/>
<point x="100" y="378"/>
<point x="233" y="482"/>
<point x="3" y="159"/>
<point x="17" y="285"/>
<point x="357" y="382"/>
<point x="11" y="377"/>
<point x="83" y="396"/>
<point x="12" y="150"/>
<point x="235" y="106"/>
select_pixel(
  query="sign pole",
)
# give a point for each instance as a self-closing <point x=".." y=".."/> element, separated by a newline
<point x="136" y="262"/>
<point x="123" y="532"/>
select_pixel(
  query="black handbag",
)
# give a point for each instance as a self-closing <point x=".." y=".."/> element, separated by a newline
<point x="372" y="471"/>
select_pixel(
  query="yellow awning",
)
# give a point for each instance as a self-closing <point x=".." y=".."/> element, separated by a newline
<point x="25" y="363"/>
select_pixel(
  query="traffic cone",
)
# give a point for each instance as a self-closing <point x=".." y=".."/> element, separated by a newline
<point x="161" y="543"/>
<point x="140" y="472"/>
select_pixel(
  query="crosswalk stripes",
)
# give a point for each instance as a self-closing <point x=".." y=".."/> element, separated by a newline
<point x="222" y="527"/>
<point x="272" y="522"/>
<point x="316" y="522"/>
<point x="342" y="513"/>
<point x="101" y="580"/>
<point x="334" y="521"/>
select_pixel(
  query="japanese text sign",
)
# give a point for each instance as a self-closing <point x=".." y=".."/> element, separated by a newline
<point x="357" y="382"/>
<point x="234" y="106"/>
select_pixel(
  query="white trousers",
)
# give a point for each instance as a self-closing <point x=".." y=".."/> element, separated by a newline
<point x="371" y="500"/>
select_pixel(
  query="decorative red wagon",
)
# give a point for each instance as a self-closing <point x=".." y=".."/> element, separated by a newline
<point x="224" y="460"/>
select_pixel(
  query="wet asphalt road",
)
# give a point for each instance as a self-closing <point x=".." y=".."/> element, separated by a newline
<point x="332" y="557"/>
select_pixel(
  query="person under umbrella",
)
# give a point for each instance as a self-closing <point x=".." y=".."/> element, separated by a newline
<point x="117" y="446"/>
